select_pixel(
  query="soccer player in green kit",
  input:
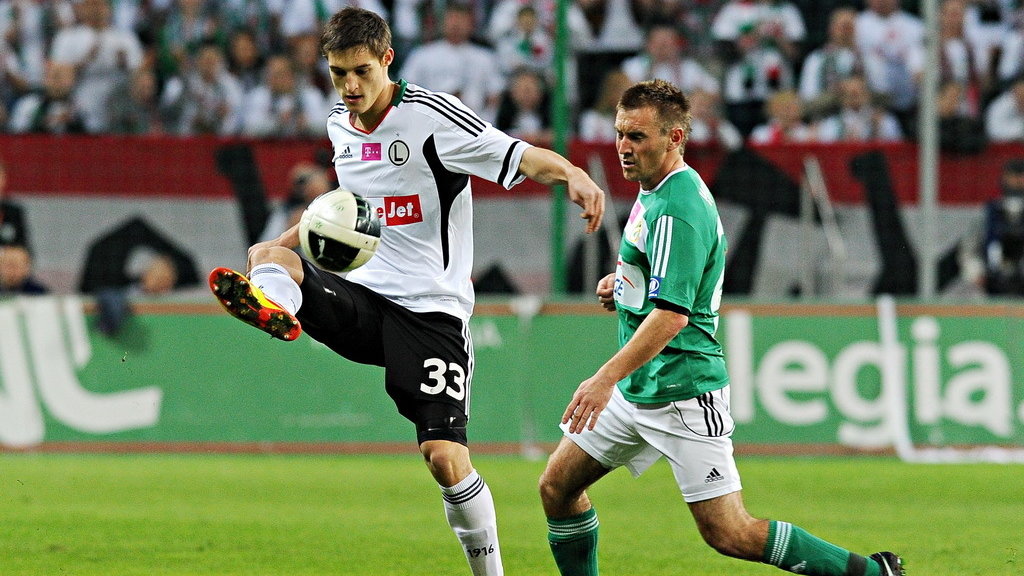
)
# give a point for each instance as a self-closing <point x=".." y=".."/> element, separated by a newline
<point x="666" y="391"/>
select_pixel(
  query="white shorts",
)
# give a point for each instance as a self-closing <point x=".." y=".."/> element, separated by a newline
<point x="694" y="435"/>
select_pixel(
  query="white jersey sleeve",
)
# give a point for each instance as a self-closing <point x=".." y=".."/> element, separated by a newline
<point x="477" y="155"/>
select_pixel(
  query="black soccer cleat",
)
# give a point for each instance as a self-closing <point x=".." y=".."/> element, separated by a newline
<point x="890" y="564"/>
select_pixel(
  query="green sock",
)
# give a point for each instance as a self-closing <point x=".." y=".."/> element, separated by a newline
<point x="794" y="550"/>
<point x="573" y="543"/>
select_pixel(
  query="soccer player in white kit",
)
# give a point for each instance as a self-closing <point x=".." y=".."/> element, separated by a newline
<point x="409" y="151"/>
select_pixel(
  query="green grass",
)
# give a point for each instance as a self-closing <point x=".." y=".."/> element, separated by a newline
<point x="222" y="515"/>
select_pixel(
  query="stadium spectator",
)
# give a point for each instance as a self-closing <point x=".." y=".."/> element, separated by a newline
<point x="504" y="21"/>
<point x="650" y="13"/>
<point x="133" y="260"/>
<point x="13" y="229"/>
<point x="308" y="181"/>
<point x="1004" y="117"/>
<point x="816" y="16"/>
<point x="134" y="107"/>
<point x="597" y="123"/>
<point x="891" y="41"/>
<point x="760" y="71"/>
<point x="27" y="27"/>
<point x="962" y="59"/>
<point x="1004" y="234"/>
<point x="858" y="118"/>
<point x="778" y="24"/>
<point x="611" y="33"/>
<point x="695" y="25"/>
<point x="785" y="123"/>
<point x="708" y="126"/>
<point x="101" y="54"/>
<point x="159" y="276"/>
<point x="612" y="26"/>
<point x="52" y="111"/>
<point x="989" y="21"/>
<point x="525" y="109"/>
<point x="300" y="17"/>
<point x="282" y="107"/>
<point x="134" y="257"/>
<point x="527" y="45"/>
<point x="959" y="131"/>
<point x="244" y="58"/>
<point x="207" y="99"/>
<point x="261" y="19"/>
<point x="523" y="34"/>
<point x="408" y="307"/>
<point x="663" y="58"/>
<point x="665" y="392"/>
<point x="1009" y="52"/>
<point x="12" y="80"/>
<point x="454" y="64"/>
<point x="1011" y="57"/>
<point x="310" y="68"/>
<point x="995" y="262"/>
<point x="16" y="272"/>
<point x="187" y="26"/>
<point x="825" y="67"/>
<point x="410" y="25"/>
<point x="139" y="16"/>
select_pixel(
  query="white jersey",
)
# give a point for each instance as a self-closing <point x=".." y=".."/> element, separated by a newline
<point x="414" y="167"/>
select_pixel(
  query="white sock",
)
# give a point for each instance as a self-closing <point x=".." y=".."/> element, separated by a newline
<point x="278" y="285"/>
<point x="470" y="511"/>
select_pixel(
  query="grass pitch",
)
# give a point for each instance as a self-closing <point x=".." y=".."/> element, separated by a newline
<point x="119" y="515"/>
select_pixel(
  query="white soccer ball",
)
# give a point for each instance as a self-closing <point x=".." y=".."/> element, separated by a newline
<point x="339" y="231"/>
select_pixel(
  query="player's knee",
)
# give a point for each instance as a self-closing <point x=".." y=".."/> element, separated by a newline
<point x="437" y="459"/>
<point x="280" y="255"/>
<point x="553" y="490"/>
<point x="448" y="462"/>
<point x="547" y="491"/>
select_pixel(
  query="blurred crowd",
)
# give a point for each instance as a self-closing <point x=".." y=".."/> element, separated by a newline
<point x="759" y="71"/>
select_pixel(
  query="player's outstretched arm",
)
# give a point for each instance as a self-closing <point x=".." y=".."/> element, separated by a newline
<point x="549" y="167"/>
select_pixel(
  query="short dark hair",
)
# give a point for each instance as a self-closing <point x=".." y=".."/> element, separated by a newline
<point x="672" y="106"/>
<point x="354" y="28"/>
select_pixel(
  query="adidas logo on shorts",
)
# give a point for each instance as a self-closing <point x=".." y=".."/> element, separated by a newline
<point x="713" y="476"/>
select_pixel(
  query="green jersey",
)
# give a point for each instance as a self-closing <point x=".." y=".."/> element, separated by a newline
<point x="673" y="254"/>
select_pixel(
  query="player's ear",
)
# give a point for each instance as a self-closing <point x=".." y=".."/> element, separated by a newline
<point x="676" y="137"/>
<point x="388" y="58"/>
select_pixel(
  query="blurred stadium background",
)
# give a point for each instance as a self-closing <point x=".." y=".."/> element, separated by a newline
<point x="823" y="362"/>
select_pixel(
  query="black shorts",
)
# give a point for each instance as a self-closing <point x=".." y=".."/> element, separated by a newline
<point x="427" y="356"/>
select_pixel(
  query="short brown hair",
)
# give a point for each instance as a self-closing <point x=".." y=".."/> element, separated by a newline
<point x="672" y="106"/>
<point x="354" y="28"/>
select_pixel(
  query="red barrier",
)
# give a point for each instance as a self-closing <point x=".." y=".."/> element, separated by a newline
<point x="175" y="167"/>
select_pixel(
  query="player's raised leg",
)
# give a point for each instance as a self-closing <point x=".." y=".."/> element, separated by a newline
<point x="468" y="504"/>
<point x="269" y="297"/>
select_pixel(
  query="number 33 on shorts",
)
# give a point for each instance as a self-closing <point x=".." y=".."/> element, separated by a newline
<point x="446" y="377"/>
